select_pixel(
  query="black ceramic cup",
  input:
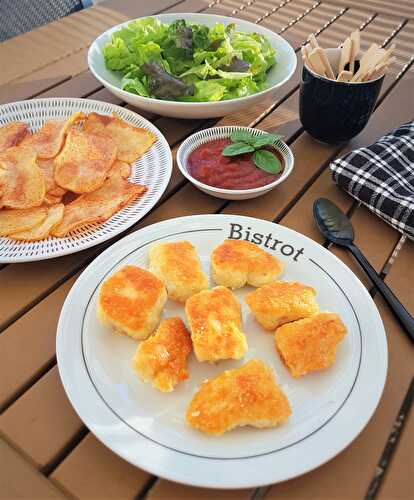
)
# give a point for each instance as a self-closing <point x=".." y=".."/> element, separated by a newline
<point x="334" y="112"/>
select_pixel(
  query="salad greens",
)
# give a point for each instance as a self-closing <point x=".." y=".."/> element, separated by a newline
<point x="189" y="62"/>
<point x="244" y="141"/>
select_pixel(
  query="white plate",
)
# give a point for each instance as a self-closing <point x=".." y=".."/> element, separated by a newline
<point x="148" y="428"/>
<point x="277" y="76"/>
<point x="153" y="169"/>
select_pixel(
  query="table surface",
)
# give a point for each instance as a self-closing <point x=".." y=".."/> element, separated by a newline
<point x="45" y="450"/>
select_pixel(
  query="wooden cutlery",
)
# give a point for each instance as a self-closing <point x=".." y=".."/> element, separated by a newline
<point x="373" y="63"/>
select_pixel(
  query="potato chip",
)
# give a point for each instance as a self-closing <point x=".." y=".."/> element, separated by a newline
<point x="99" y="205"/>
<point x="22" y="181"/>
<point x="121" y="169"/>
<point x="84" y="161"/>
<point x="132" y="142"/>
<point x="50" y="199"/>
<point x="12" y="221"/>
<point x="41" y="230"/>
<point x="12" y="134"/>
<point x="48" y="169"/>
<point x="49" y="139"/>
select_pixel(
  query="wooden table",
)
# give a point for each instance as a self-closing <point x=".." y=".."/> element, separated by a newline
<point x="45" y="450"/>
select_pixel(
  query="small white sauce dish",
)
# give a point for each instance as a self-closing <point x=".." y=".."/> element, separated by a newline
<point x="210" y="134"/>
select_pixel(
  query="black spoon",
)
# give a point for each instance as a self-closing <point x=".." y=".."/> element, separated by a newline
<point x="337" y="228"/>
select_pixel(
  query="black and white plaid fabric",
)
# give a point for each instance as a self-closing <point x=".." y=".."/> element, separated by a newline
<point x="381" y="176"/>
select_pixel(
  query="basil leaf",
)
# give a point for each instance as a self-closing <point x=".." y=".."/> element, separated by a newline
<point x="266" y="139"/>
<point x="267" y="161"/>
<point x="237" y="148"/>
<point x="242" y="136"/>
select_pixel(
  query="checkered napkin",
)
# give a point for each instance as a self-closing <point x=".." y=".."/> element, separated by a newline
<point x="381" y="176"/>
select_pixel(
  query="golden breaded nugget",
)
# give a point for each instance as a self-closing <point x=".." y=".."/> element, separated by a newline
<point x="49" y="139"/>
<point x="132" y="142"/>
<point x="99" y="205"/>
<point x="22" y="181"/>
<point x="177" y="265"/>
<point x="281" y="302"/>
<point x="162" y="359"/>
<point x="310" y="344"/>
<point x="12" y="221"/>
<point x="84" y="162"/>
<point x="132" y="300"/>
<point x="41" y="230"/>
<point x="236" y="263"/>
<point x="216" y="325"/>
<point x="247" y="395"/>
<point x="12" y="134"/>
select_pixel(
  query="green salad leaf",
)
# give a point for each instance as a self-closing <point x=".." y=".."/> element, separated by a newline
<point x="163" y="85"/>
<point x="117" y="55"/>
<point x="192" y="62"/>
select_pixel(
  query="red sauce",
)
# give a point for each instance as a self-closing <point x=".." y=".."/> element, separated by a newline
<point x="209" y="166"/>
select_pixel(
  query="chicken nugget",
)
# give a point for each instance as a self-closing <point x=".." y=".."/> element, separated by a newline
<point x="216" y="325"/>
<point x="281" y="302"/>
<point x="132" y="300"/>
<point x="178" y="266"/>
<point x="235" y="263"/>
<point x="310" y="344"/>
<point x="243" y="396"/>
<point x="162" y="358"/>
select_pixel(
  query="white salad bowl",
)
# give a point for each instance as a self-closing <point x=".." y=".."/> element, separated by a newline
<point x="210" y="134"/>
<point x="277" y="76"/>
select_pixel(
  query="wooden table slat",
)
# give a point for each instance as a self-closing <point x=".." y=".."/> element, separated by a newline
<point x="397" y="278"/>
<point x="82" y="84"/>
<point x="42" y="422"/>
<point x="397" y="483"/>
<point x="19" y="480"/>
<point x="93" y="471"/>
<point x="396" y="7"/>
<point x="44" y="78"/>
<point x="167" y="490"/>
<point x="20" y="365"/>
<point x="313" y="22"/>
<point x="46" y="52"/>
